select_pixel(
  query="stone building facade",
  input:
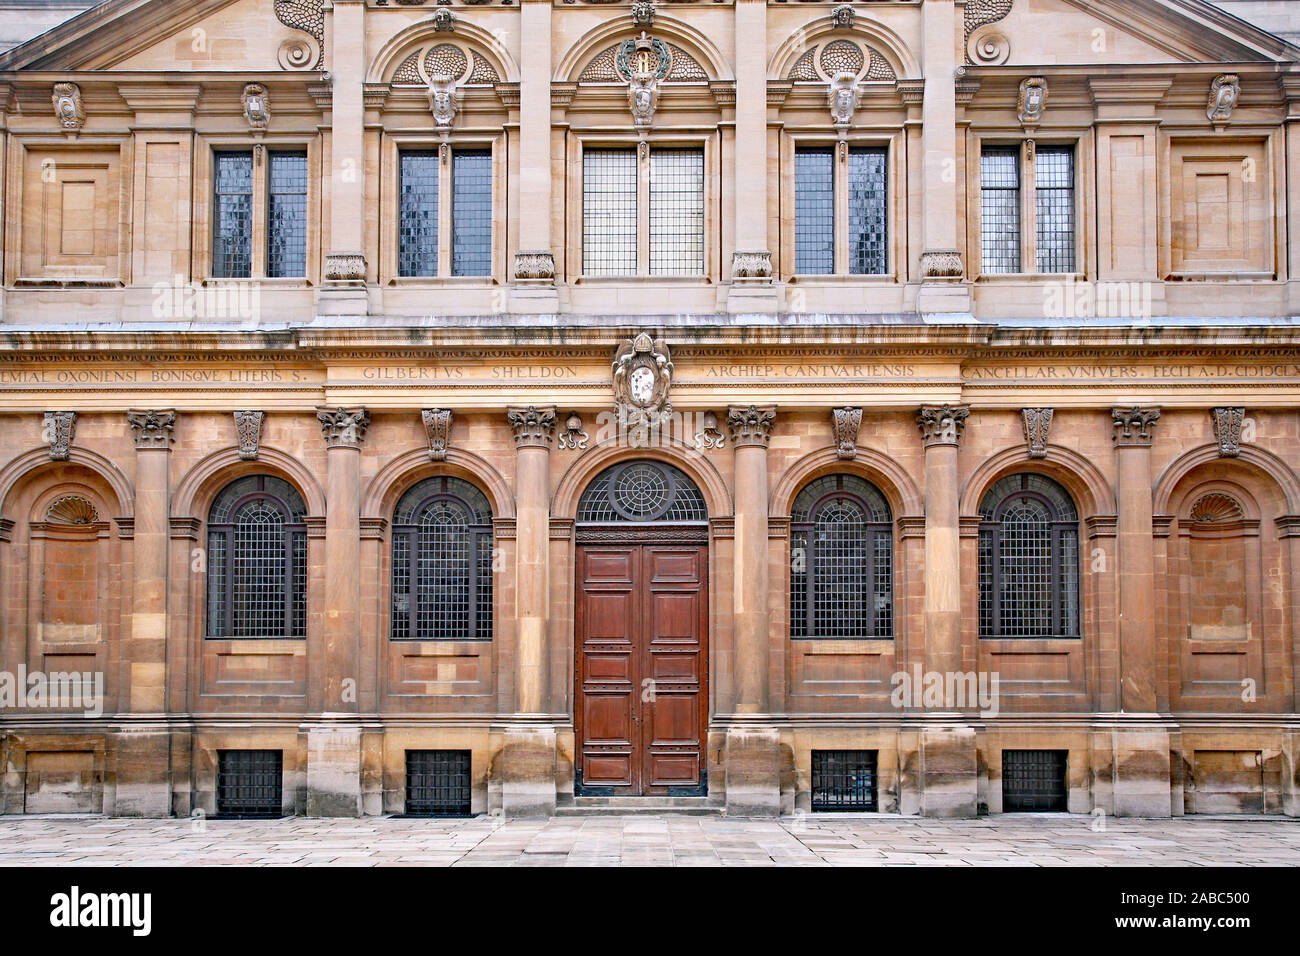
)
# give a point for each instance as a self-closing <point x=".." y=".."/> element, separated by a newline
<point x="518" y="405"/>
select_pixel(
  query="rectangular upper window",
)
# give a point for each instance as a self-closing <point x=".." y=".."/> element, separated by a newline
<point x="841" y="211"/>
<point x="1028" y="209"/>
<point x="439" y="199"/>
<point x="668" y="199"/>
<point x="259" y="202"/>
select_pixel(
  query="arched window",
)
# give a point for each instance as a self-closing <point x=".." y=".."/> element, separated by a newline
<point x="442" y="563"/>
<point x="642" y="492"/>
<point x="257" y="560"/>
<point x="1029" y="559"/>
<point x="842" y="561"/>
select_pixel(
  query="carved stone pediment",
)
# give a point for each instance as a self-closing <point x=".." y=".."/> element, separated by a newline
<point x="643" y="374"/>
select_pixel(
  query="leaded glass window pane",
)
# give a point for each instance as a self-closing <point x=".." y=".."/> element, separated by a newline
<point x="841" y="561"/>
<point x="814" y="211"/>
<point x="257" y="560"/>
<point x="1029" y="559"/>
<point x="471" y="212"/>
<point x="287" y="225"/>
<point x="1000" y="201"/>
<point x="868" y="202"/>
<point x="642" y="492"/>
<point x="676" y="212"/>
<point x="417" y="235"/>
<point x="1054" y="206"/>
<point x="442" y="563"/>
<point x="232" y="240"/>
<point x="609" y="222"/>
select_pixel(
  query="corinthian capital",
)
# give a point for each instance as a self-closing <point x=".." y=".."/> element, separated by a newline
<point x="1133" y="426"/>
<point x="533" y="427"/>
<point x="942" y="424"/>
<point x="343" y="427"/>
<point x="750" y="425"/>
<point x="152" y="427"/>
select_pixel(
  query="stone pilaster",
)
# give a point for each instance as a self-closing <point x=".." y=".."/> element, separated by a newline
<point x="142" y="768"/>
<point x="946" y="761"/>
<point x="528" y="760"/>
<point x="942" y="289"/>
<point x="753" y="749"/>
<point x="1139" y="741"/>
<point x="751" y="264"/>
<point x="533" y="269"/>
<point x="343" y="291"/>
<point x="334" y="748"/>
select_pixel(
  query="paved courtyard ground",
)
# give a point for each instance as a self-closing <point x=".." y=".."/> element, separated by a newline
<point x="814" y="840"/>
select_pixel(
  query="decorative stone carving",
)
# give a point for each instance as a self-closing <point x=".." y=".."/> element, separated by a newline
<point x="1038" y="423"/>
<point x="442" y="101"/>
<point x="535" y="264"/>
<point x="645" y="62"/>
<point x="343" y="427"/>
<point x="68" y="107"/>
<point x="846" y="423"/>
<point x="825" y="60"/>
<point x="437" y="425"/>
<point x="643" y="13"/>
<point x="843" y="101"/>
<point x="1216" y="506"/>
<point x="305" y="15"/>
<point x="248" y="429"/>
<point x="59" y="428"/>
<point x="298" y="53"/>
<point x="152" y="427"/>
<point x="1032" y="101"/>
<point x="1225" y="90"/>
<point x="842" y="17"/>
<point x="1227" y="429"/>
<point x="751" y="264"/>
<point x="941" y="264"/>
<point x="533" y="427"/>
<point x="710" y="436"/>
<point x="942" y="424"/>
<point x="642" y="373"/>
<point x="72" y="509"/>
<point x="345" y="268"/>
<point x="574" y="436"/>
<point x="987" y="47"/>
<point x="1133" y="426"/>
<point x="444" y="21"/>
<point x="750" y="425"/>
<point x="977" y="17"/>
<point x="257" y="106"/>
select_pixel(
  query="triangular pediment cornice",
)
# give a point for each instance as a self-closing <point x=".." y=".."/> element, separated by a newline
<point x="112" y="30"/>
<point x="1191" y="31"/>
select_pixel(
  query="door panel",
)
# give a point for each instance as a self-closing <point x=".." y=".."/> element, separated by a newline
<point x="641" y="632"/>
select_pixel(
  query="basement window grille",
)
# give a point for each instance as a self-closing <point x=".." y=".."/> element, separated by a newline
<point x="1033" y="780"/>
<point x="250" y="783"/>
<point x="437" y="783"/>
<point x="844" y="780"/>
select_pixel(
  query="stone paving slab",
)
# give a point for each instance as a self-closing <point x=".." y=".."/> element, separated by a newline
<point x="805" y="840"/>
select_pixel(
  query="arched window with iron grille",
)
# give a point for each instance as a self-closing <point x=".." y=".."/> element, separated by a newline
<point x="442" y="563"/>
<point x="1029" y="559"/>
<point x="257" y="560"/>
<point x="841" y="561"/>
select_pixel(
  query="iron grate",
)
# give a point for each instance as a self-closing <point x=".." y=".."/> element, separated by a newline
<point x="250" y="783"/>
<point x="437" y="783"/>
<point x="844" y="780"/>
<point x="1033" y="780"/>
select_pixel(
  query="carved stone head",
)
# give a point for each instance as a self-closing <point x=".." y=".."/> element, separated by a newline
<point x="257" y="106"/>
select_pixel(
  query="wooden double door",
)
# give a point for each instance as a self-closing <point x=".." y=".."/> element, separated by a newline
<point x="641" y="641"/>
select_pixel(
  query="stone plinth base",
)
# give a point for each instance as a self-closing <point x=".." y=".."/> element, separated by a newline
<point x="949" y="772"/>
<point x="753" y="297"/>
<point x="344" y="298"/>
<point x="534" y="297"/>
<point x="143" y="778"/>
<point x="334" y="772"/>
<point x="1291" y="773"/>
<point x="944" y="298"/>
<point x="528" y="773"/>
<point x="753" y="772"/>
<point x="1131" y="772"/>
